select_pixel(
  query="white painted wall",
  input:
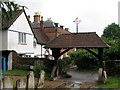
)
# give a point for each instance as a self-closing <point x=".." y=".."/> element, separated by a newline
<point x="10" y="39"/>
<point x="37" y="50"/>
<point x="13" y="43"/>
<point x="43" y="51"/>
<point x="22" y="25"/>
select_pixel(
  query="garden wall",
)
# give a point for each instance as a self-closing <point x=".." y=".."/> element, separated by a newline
<point x="112" y="67"/>
<point x="25" y="63"/>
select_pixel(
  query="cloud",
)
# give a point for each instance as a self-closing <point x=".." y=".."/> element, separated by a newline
<point x="95" y="14"/>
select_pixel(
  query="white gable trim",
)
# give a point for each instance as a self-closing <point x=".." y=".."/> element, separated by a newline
<point x="21" y="25"/>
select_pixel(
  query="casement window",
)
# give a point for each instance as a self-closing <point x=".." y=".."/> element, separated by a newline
<point x="22" y="38"/>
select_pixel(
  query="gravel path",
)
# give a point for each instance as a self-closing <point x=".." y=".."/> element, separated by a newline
<point x="82" y="76"/>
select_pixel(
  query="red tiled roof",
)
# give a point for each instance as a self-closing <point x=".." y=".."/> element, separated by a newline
<point x="53" y="29"/>
<point x="78" y="40"/>
<point x="15" y="14"/>
<point x="51" y="32"/>
<point x="42" y="38"/>
<point x="51" y="35"/>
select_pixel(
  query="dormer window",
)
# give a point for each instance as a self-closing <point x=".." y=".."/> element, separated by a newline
<point x="22" y="38"/>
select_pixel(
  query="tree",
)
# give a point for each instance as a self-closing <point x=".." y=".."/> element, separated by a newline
<point x="112" y="31"/>
<point x="113" y="53"/>
<point x="84" y="60"/>
<point x="111" y="35"/>
<point x="7" y="8"/>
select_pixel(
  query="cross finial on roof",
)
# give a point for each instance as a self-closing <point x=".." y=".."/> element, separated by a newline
<point x="77" y="21"/>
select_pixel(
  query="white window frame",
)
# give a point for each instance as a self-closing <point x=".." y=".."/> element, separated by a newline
<point x="21" y="38"/>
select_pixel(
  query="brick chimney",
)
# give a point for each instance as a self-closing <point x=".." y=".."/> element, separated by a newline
<point x="41" y="23"/>
<point x="37" y="17"/>
<point x="61" y="26"/>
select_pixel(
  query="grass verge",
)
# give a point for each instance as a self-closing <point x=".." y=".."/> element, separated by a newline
<point x="16" y="72"/>
<point x="113" y="82"/>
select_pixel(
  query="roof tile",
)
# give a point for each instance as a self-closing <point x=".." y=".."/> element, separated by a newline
<point x="15" y="14"/>
<point x="78" y="40"/>
<point x="42" y="38"/>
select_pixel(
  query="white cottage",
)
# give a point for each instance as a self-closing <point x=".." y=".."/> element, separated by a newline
<point x="17" y="35"/>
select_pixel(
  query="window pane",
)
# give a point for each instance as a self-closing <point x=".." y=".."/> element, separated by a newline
<point x="24" y="38"/>
<point x="19" y="37"/>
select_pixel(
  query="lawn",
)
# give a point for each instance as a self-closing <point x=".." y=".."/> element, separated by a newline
<point x="16" y="72"/>
<point x="113" y="82"/>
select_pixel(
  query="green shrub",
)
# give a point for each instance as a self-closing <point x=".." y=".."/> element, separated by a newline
<point x="37" y="70"/>
<point x="47" y="76"/>
<point x="112" y="68"/>
<point x="113" y="53"/>
<point x="64" y="64"/>
<point x="84" y="59"/>
<point x="65" y="75"/>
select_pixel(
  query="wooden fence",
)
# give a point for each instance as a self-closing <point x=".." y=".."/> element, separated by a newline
<point x="112" y="67"/>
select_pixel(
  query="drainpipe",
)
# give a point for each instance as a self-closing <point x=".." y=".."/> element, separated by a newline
<point x="41" y="51"/>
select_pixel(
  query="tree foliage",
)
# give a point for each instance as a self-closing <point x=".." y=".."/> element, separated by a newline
<point x="8" y="7"/>
<point x="112" y="31"/>
<point x="84" y="60"/>
<point x="111" y="35"/>
<point x="113" y="53"/>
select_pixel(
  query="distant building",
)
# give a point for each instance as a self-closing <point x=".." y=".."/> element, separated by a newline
<point x="50" y="29"/>
<point x="17" y="35"/>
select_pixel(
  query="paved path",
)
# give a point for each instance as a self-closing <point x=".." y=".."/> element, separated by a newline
<point x="82" y="76"/>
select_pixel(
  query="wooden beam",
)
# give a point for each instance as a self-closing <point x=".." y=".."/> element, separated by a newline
<point x="56" y="52"/>
<point x="100" y="57"/>
<point x="65" y="51"/>
<point x="96" y="55"/>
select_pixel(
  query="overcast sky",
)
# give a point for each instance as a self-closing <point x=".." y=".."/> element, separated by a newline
<point x="94" y="14"/>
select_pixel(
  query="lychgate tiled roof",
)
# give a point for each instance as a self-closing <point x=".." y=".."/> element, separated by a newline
<point x="77" y="40"/>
